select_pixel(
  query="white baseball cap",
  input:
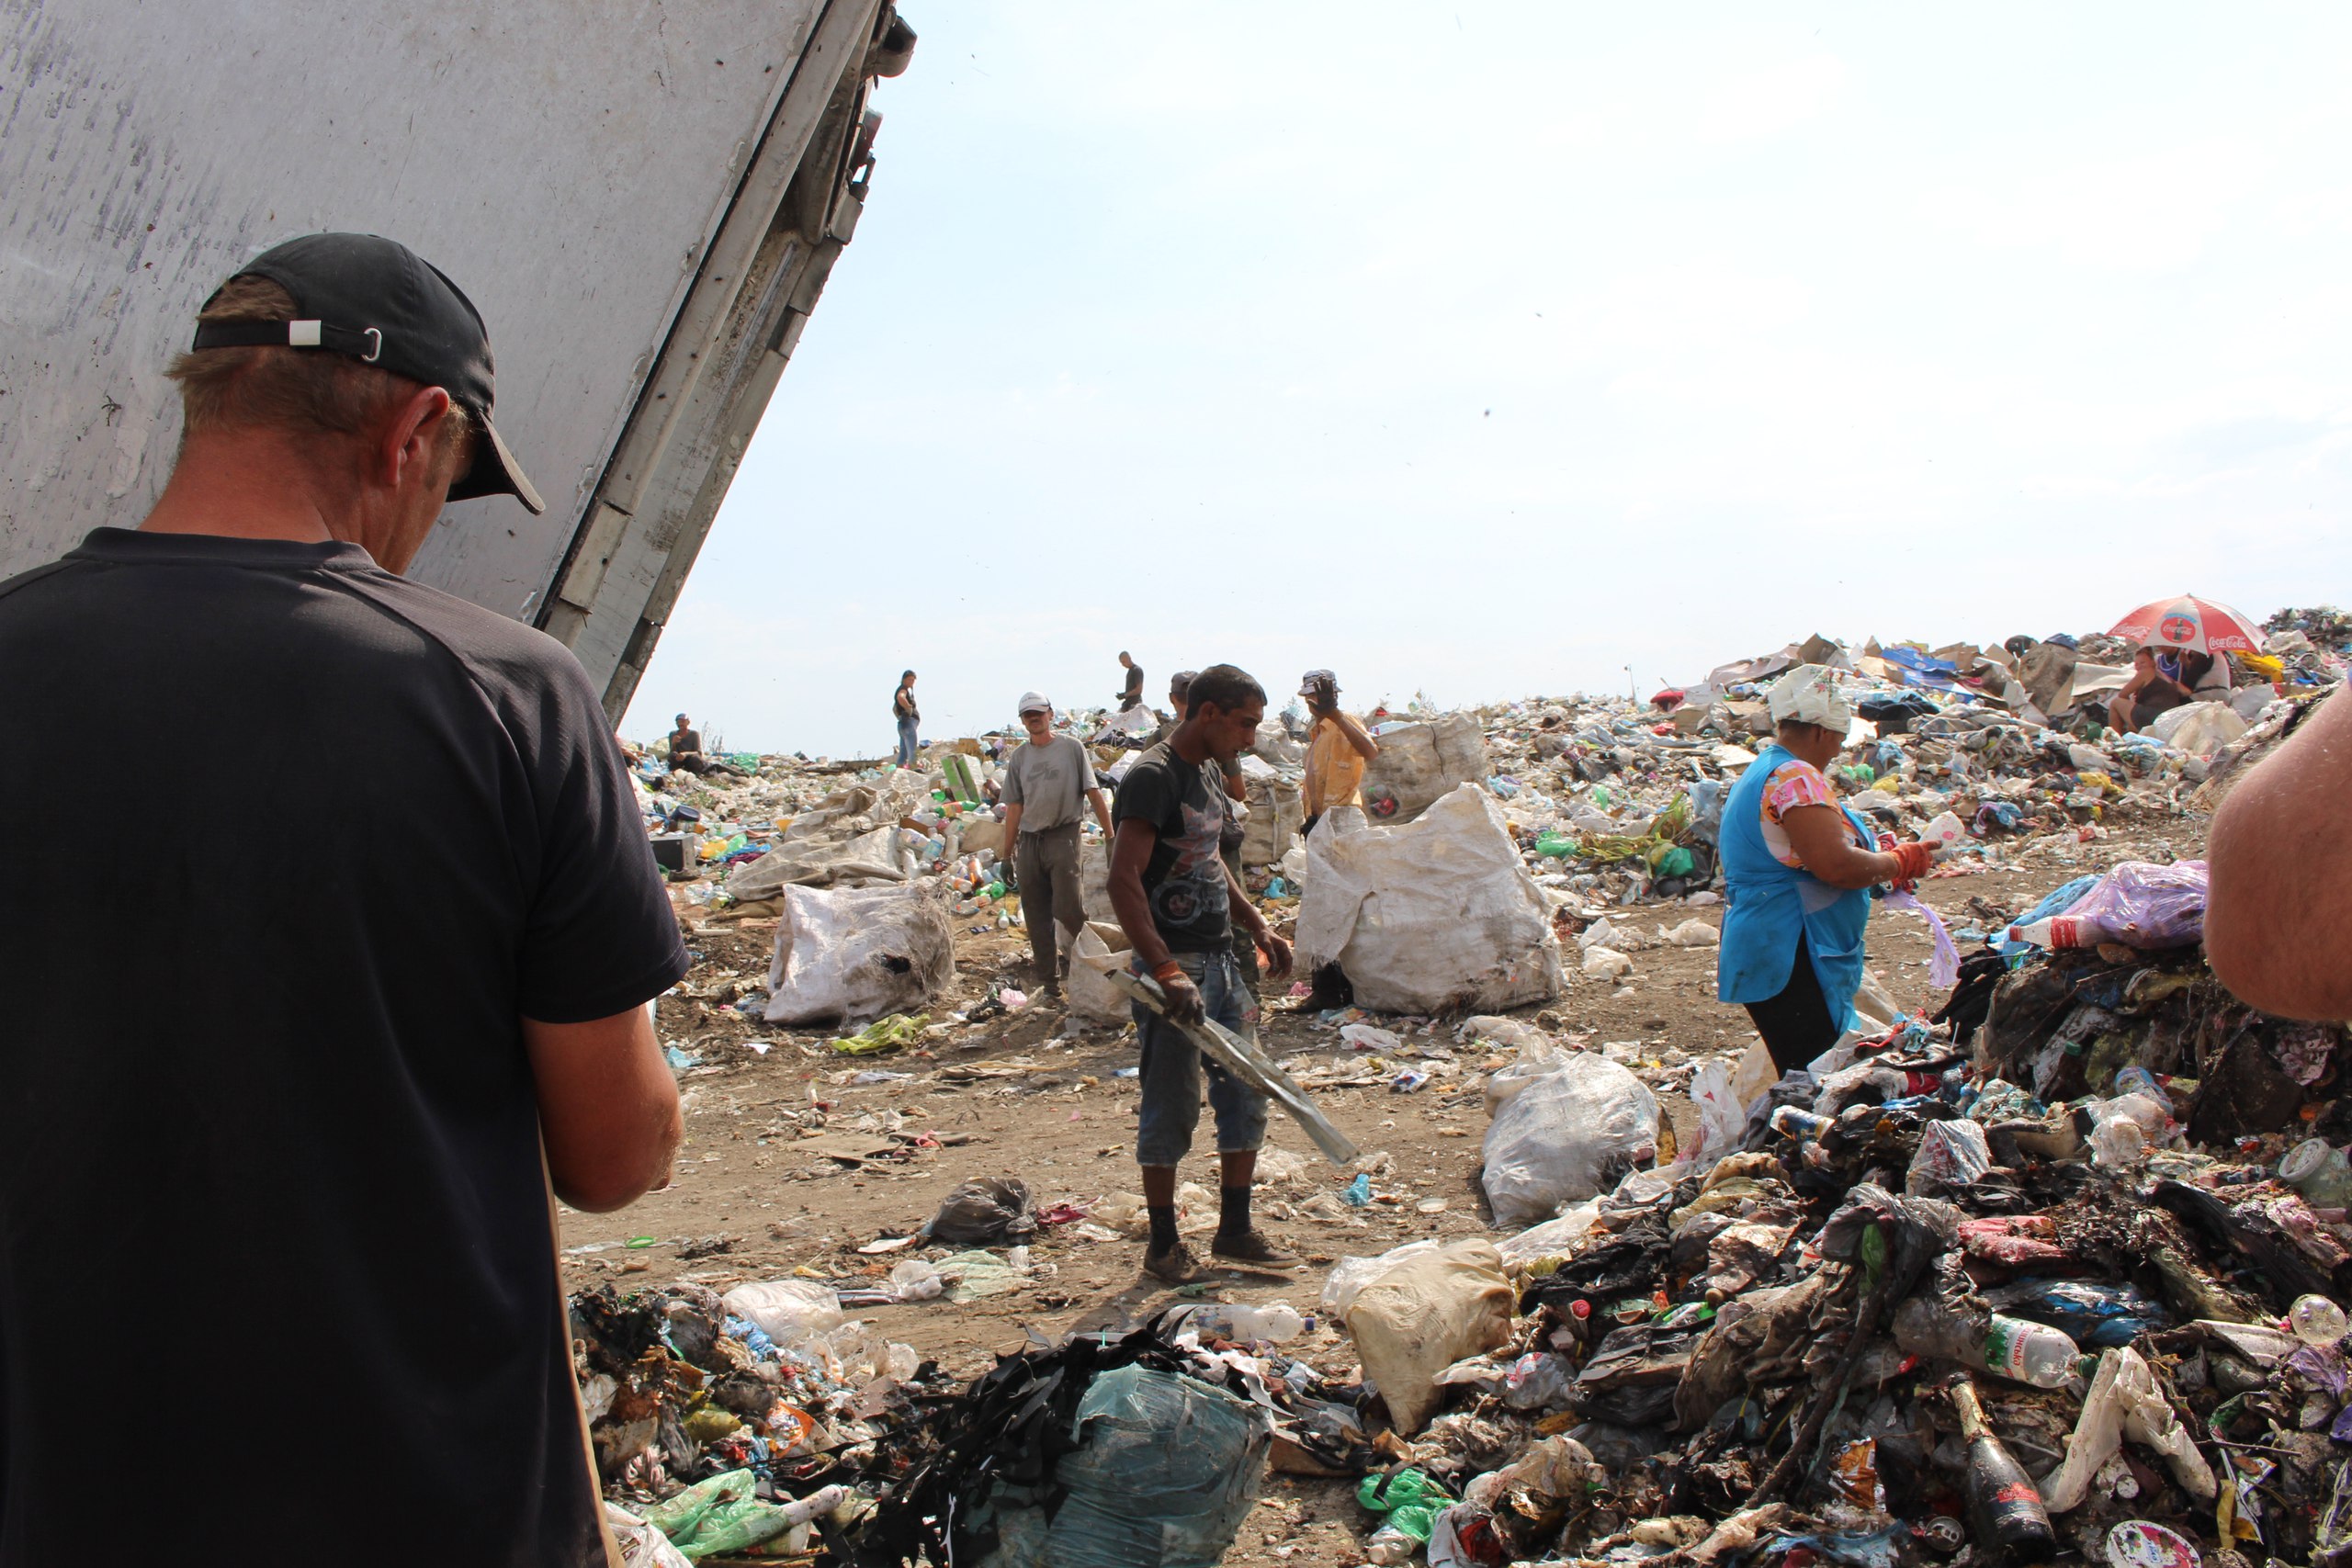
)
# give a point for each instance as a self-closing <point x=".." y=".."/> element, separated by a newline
<point x="1033" y="702"/>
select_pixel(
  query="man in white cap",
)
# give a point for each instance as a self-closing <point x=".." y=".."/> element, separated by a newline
<point x="1798" y="870"/>
<point x="1047" y="784"/>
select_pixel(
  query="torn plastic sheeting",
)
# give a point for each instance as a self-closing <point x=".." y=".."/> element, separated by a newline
<point x="2125" y="1402"/>
<point x="2149" y="906"/>
<point x="1943" y="964"/>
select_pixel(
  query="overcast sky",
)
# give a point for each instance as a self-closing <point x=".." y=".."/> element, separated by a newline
<point x="1484" y="349"/>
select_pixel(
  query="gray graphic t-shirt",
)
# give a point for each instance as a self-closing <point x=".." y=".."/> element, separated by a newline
<point x="1048" y="783"/>
<point x="1185" y="879"/>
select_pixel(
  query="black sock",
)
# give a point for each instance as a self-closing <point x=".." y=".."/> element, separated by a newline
<point x="1163" y="1227"/>
<point x="1233" y="1211"/>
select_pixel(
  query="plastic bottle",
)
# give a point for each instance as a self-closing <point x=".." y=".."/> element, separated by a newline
<point x="1243" y="1325"/>
<point x="2315" y="1320"/>
<point x="1390" y="1545"/>
<point x="1795" y="1121"/>
<point x="2003" y="1502"/>
<point x="2007" y="1347"/>
<point x="2057" y="931"/>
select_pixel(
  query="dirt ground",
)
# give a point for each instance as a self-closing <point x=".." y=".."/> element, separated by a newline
<point x="759" y="1192"/>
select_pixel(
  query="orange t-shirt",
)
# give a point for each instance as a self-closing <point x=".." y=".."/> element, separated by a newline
<point x="1335" y="767"/>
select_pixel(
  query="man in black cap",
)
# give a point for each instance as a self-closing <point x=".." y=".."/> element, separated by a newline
<point x="366" y="1041"/>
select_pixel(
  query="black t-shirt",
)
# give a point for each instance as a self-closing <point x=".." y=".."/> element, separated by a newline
<point x="1134" y="687"/>
<point x="263" y="1090"/>
<point x="685" y="743"/>
<point x="1185" y="879"/>
<point x="902" y="704"/>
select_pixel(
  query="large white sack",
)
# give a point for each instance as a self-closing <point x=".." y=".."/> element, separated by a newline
<point x="878" y="854"/>
<point x="1275" y="817"/>
<point x="1420" y="764"/>
<point x="1437" y="916"/>
<point x="1423" y="1315"/>
<point x="1274" y="745"/>
<point x="1566" y="1135"/>
<point x="1099" y="942"/>
<point x="2199" y="728"/>
<point x="856" y="954"/>
<point x="1094" y="880"/>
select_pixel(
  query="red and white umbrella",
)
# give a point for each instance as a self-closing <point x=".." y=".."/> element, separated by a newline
<point x="2198" y="625"/>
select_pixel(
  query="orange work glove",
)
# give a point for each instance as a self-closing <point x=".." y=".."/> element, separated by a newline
<point x="1914" y="860"/>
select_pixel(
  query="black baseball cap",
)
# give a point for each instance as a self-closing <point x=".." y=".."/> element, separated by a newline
<point x="380" y="302"/>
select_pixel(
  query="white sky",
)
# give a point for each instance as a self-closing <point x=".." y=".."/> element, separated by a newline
<point x="1483" y="349"/>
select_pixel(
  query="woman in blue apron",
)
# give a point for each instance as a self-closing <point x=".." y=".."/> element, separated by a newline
<point x="1797" y="871"/>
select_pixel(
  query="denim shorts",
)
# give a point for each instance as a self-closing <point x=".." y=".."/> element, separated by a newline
<point x="1171" y="1069"/>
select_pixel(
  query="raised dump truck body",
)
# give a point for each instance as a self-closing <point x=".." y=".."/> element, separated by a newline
<point x="644" y="201"/>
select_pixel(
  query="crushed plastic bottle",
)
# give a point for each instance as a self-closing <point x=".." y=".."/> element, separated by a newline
<point x="2006" y="1347"/>
<point x="1242" y="1325"/>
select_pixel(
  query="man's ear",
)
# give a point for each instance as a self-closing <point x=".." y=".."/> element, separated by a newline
<point x="411" y="439"/>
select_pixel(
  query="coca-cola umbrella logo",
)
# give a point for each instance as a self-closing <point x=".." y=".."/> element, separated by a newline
<point x="2178" y="628"/>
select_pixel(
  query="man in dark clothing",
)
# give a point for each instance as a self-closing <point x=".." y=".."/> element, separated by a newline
<point x="685" y="746"/>
<point x="1177" y="904"/>
<point x="335" y="1139"/>
<point x="908" y="718"/>
<point x="1236" y="794"/>
<point x="1131" y="694"/>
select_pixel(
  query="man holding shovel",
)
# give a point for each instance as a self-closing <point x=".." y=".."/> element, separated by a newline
<point x="1178" y="904"/>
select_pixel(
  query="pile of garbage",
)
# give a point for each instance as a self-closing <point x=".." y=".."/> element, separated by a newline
<point x="2058" y="1268"/>
<point x="2000" y="750"/>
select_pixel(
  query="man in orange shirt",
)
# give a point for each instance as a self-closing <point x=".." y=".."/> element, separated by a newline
<point x="1338" y="749"/>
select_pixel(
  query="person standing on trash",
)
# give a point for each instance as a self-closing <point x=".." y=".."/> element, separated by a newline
<point x="1131" y="692"/>
<point x="1177" y="904"/>
<point x="1237" y="794"/>
<point x="1797" y="872"/>
<point x="1339" y="749"/>
<point x="368" y="1043"/>
<point x="1048" y="782"/>
<point x="2278" y="912"/>
<point x="908" y="718"/>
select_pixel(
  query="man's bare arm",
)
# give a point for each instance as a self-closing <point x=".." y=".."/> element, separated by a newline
<point x="1356" y="735"/>
<point x="2278" y="915"/>
<point x="608" y="1108"/>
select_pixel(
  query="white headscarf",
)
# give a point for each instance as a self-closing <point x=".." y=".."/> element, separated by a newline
<point x="1809" y="694"/>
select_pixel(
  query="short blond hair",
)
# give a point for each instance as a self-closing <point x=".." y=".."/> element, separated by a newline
<point x="307" y="392"/>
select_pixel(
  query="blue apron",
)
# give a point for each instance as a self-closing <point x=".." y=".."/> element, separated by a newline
<point x="1770" y="905"/>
